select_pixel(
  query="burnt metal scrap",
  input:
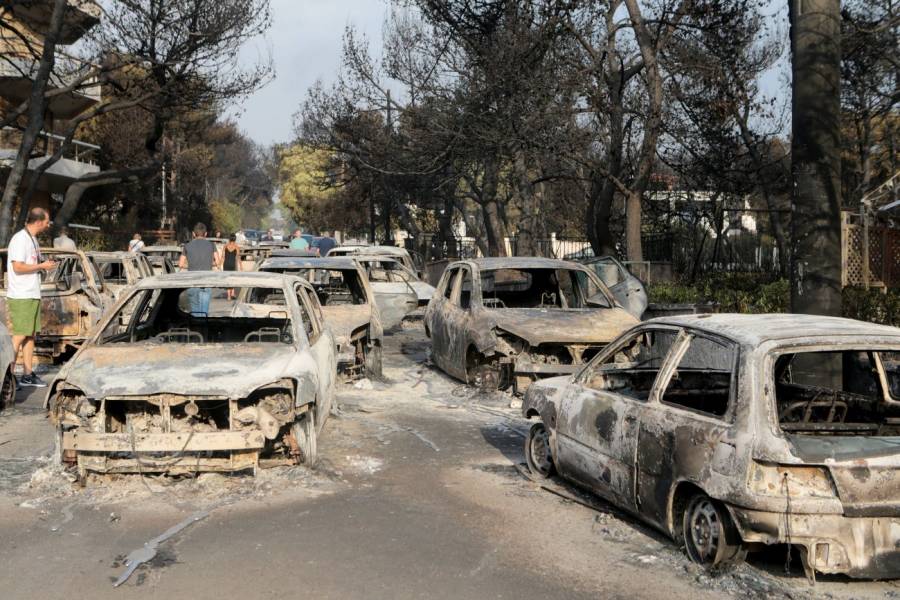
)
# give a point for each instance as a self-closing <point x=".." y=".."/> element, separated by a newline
<point x="733" y="432"/>
<point x="73" y="299"/>
<point x="505" y="322"/>
<point x="161" y="387"/>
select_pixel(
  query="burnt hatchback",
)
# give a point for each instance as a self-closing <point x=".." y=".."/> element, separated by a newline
<point x="733" y="432"/>
<point x="505" y="322"/>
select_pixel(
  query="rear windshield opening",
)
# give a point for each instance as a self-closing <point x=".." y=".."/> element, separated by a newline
<point x="250" y="315"/>
<point x="539" y="288"/>
<point x="838" y="392"/>
<point x="333" y="287"/>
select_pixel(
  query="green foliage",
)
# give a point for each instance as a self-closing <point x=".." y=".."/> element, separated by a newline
<point x="226" y="216"/>
<point x="750" y="293"/>
<point x="872" y="305"/>
<point x="731" y="292"/>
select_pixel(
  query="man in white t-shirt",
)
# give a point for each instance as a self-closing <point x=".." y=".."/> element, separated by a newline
<point x="136" y="244"/>
<point x="63" y="241"/>
<point x="24" y="265"/>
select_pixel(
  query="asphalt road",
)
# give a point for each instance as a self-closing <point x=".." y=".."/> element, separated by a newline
<point x="416" y="495"/>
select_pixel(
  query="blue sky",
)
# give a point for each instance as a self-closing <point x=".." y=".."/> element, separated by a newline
<point x="305" y="44"/>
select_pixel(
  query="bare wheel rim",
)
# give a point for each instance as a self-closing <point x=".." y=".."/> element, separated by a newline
<point x="539" y="450"/>
<point x="705" y="530"/>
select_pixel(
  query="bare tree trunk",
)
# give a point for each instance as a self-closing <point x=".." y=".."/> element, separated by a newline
<point x="77" y="189"/>
<point x="36" y="107"/>
<point x="527" y="235"/>
<point x="815" y="157"/>
<point x="494" y="224"/>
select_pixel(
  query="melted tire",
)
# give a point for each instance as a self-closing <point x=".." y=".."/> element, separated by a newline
<point x="538" y="453"/>
<point x="710" y="538"/>
<point x="304" y="431"/>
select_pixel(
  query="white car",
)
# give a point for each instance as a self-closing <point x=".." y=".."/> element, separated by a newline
<point x="178" y="378"/>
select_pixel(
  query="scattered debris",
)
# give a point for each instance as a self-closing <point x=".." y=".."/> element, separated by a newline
<point x="146" y="552"/>
<point x="364" y="384"/>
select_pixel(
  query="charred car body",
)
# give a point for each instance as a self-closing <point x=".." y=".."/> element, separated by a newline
<point x="731" y="432"/>
<point x="121" y="269"/>
<point x="7" y="369"/>
<point x="391" y="280"/>
<point x="348" y="306"/>
<point x="172" y="381"/>
<point x="504" y="322"/>
<point x="73" y="298"/>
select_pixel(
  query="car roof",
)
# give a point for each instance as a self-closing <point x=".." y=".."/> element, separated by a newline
<point x="302" y="262"/>
<point x="217" y="279"/>
<point x="520" y="262"/>
<point x="758" y="328"/>
<point x="392" y="250"/>
<point x="111" y="254"/>
<point x="160" y="248"/>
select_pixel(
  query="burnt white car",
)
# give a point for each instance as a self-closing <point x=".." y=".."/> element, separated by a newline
<point x="733" y="432"/>
<point x="348" y="305"/>
<point x="177" y="378"/>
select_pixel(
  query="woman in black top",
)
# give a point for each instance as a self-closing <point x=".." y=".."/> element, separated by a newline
<point x="231" y="259"/>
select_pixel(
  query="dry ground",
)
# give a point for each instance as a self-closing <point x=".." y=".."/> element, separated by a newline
<point x="416" y="495"/>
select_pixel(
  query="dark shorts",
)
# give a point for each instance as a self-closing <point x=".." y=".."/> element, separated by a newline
<point x="25" y="315"/>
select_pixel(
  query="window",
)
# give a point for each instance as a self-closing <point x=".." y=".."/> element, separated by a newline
<point x="309" y="326"/>
<point x="114" y="273"/>
<point x="449" y="282"/>
<point x="632" y="368"/>
<point x="609" y="272"/>
<point x="199" y="316"/>
<point x="539" y="288"/>
<point x="702" y="380"/>
<point x="835" y="392"/>
<point x="465" y="290"/>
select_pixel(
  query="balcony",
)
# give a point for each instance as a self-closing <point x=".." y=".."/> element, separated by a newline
<point x="81" y="16"/>
<point x="79" y="160"/>
<point x="17" y="73"/>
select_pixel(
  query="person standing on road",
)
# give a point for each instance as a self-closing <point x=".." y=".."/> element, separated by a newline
<point x="240" y="238"/>
<point x="63" y="241"/>
<point x="199" y="255"/>
<point x="231" y="259"/>
<point x="24" y="265"/>
<point x="136" y="244"/>
<point x="298" y="242"/>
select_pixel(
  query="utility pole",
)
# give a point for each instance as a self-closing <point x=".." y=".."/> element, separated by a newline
<point x="815" y="157"/>
<point x="163" y="224"/>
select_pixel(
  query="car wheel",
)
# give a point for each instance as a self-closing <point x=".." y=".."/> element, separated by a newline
<point x="373" y="361"/>
<point x="538" y="454"/>
<point x="710" y="537"/>
<point x="304" y="431"/>
<point x="8" y="389"/>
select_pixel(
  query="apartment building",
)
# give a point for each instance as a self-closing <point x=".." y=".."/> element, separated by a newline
<point x="21" y="44"/>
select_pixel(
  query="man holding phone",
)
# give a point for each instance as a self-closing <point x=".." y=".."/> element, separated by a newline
<point x="23" y="291"/>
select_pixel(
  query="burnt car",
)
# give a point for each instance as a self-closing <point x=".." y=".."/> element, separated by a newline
<point x="178" y="378"/>
<point x="161" y="265"/>
<point x="505" y="322"/>
<point x="388" y="275"/>
<point x="733" y="432"/>
<point x="625" y="287"/>
<point x="121" y="269"/>
<point x="411" y="260"/>
<point x="73" y="298"/>
<point x="172" y="252"/>
<point x="7" y="367"/>
<point x="348" y="306"/>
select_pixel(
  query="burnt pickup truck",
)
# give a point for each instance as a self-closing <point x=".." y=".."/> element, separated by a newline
<point x="73" y="298"/>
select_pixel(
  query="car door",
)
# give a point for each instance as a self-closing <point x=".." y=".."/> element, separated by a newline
<point x="394" y="297"/>
<point x="460" y="321"/>
<point x="436" y="319"/>
<point x="685" y="427"/>
<point x="625" y="287"/>
<point x="321" y="346"/>
<point x="599" y="417"/>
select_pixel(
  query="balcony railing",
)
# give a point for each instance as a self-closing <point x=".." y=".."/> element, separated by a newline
<point x="49" y="143"/>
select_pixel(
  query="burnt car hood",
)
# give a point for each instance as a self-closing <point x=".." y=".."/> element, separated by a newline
<point x="345" y="319"/>
<point x="548" y="325"/>
<point x="210" y="369"/>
